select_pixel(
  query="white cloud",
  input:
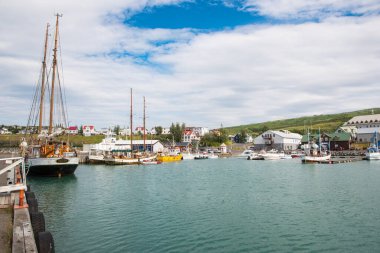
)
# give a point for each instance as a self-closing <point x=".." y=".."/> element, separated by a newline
<point x="248" y="74"/>
<point x="311" y="8"/>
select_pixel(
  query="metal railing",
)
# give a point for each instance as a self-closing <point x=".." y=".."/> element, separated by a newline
<point x="15" y="172"/>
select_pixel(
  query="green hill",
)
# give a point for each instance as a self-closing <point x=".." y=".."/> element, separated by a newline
<point x="326" y="122"/>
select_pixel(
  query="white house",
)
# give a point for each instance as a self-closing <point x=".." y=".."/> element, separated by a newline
<point x="4" y="131"/>
<point x="189" y="136"/>
<point x="199" y="131"/>
<point x="280" y="140"/>
<point x="72" y="130"/>
<point x="165" y="130"/>
<point x="88" y="130"/>
<point x="141" y="130"/>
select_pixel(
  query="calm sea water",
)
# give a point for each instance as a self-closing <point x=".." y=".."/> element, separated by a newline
<point x="223" y="205"/>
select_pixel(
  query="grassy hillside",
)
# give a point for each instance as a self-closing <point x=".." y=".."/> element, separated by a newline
<point x="326" y="122"/>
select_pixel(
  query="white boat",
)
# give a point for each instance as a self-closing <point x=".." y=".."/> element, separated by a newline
<point x="212" y="155"/>
<point x="46" y="155"/>
<point x="373" y="151"/>
<point x="314" y="153"/>
<point x="255" y="156"/>
<point x="246" y="153"/>
<point x="324" y="158"/>
<point x="273" y="155"/>
<point x="188" y="156"/>
<point x="200" y="156"/>
<point x="372" y="154"/>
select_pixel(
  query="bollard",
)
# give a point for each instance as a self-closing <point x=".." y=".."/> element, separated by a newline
<point x="21" y="202"/>
<point x="21" y="198"/>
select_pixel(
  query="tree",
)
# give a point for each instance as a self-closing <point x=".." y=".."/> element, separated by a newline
<point x="116" y="129"/>
<point x="176" y="131"/>
<point x="158" y="130"/>
<point x="80" y="130"/>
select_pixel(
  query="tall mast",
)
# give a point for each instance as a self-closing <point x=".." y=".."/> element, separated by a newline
<point x="130" y="119"/>
<point x="53" y="77"/>
<point x="144" y="127"/>
<point x="43" y="80"/>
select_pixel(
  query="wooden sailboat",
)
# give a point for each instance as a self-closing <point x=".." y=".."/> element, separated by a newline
<point x="130" y="158"/>
<point x="314" y="153"/>
<point x="47" y="156"/>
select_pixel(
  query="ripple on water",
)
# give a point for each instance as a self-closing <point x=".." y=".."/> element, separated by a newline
<point x="225" y="205"/>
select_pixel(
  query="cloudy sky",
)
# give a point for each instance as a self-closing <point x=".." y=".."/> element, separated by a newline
<point x="201" y="62"/>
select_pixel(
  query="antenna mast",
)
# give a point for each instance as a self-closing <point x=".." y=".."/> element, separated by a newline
<point x="53" y="77"/>
<point x="43" y="80"/>
<point x="131" y="117"/>
<point x="144" y="126"/>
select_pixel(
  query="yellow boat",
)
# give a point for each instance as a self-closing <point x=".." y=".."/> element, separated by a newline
<point x="169" y="158"/>
<point x="172" y="156"/>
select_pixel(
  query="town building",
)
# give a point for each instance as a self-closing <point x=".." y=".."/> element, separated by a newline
<point x="367" y="126"/>
<point x="88" y="130"/>
<point x="140" y="130"/>
<point x="367" y="136"/>
<point x="72" y="130"/>
<point x="189" y="136"/>
<point x="352" y="130"/>
<point x="281" y="140"/>
<point x="199" y="131"/>
<point x="364" y="121"/>
<point x="165" y="130"/>
<point x="4" y="131"/>
<point x="330" y="141"/>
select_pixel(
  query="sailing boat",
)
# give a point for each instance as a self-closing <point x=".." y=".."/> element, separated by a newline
<point x="314" y="153"/>
<point x="373" y="151"/>
<point x="46" y="155"/>
<point x="130" y="158"/>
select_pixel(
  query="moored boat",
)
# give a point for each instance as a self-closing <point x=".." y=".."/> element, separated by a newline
<point x="48" y="155"/>
<point x="372" y="152"/>
<point x="245" y="154"/>
<point x="314" y="152"/>
<point x="169" y="158"/>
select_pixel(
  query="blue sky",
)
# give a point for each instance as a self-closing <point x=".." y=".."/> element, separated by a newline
<point x="199" y="62"/>
<point x="202" y="15"/>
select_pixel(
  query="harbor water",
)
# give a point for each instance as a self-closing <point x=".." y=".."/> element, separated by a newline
<point x="221" y="205"/>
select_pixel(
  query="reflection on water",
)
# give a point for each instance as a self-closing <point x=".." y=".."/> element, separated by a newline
<point x="224" y="205"/>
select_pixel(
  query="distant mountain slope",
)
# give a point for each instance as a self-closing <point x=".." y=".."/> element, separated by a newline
<point x="326" y="122"/>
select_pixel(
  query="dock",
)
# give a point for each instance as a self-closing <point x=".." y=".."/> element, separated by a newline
<point x="343" y="159"/>
<point x="22" y="227"/>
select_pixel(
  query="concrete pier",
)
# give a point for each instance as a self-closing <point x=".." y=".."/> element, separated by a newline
<point x="16" y="233"/>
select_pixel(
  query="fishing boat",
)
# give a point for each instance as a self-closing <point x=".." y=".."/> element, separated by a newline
<point x="314" y="152"/>
<point x="372" y="152"/>
<point x="49" y="152"/>
<point x="173" y="155"/>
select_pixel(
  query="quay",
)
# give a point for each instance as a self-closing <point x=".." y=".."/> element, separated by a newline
<point x="22" y="227"/>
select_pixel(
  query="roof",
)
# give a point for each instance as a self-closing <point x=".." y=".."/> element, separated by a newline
<point x="373" y="118"/>
<point x="73" y="128"/>
<point x="286" y="134"/>
<point x="332" y="136"/>
<point x="369" y="130"/>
